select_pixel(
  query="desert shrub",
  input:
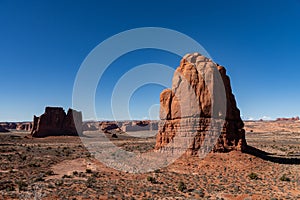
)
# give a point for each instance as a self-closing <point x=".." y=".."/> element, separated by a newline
<point x="23" y="157"/>
<point x="6" y="185"/>
<point x="40" y="178"/>
<point x="181" y="186"/>
<point x="91" y="181"/>
<point x="151" y="179"/>
<point x="67" y="176"/>
<point x="88" y="155"/>
<point x="10" y="188"/>
<point x="88" y="171"/>
<point x="51" y="186"/>
<point x="285" y="178"/>
<point x="82" y="174"/>
<point x="253" y="176"/>
<point x="34" y="165"/>
<point x="200" y="192"/>
<point x="49" y="173"/>
<point x="75" y="173"/>
<point x="96" y="174"/>
<point x="22" y="185"/>
<point x="59" y="182"/>
<point x="9" y="158"/>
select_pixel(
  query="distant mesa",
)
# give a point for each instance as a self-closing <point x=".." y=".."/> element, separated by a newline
<point x="192" y="121"/>
<point x="19" y="126"/>
<point x="140" y="126"/>
<point x="90" y="126"/>
<point x="288" y="119"/>
<point x="108" y="125"/>
<point x="24" y="126"/>
<point x="129" y="126"/>
<point x="3" y="130"/>
<point x="55" y="122"/>
<point x="8" y="125"/>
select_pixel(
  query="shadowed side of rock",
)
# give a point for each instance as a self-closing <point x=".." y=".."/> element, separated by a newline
<point x="3" y="130"/>
<point x="55" y="122"/>
<point x="195" y="112"/>
<point x="8" y="125"/>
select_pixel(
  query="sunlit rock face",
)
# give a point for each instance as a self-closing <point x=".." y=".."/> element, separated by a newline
<point x="199" y="113"/>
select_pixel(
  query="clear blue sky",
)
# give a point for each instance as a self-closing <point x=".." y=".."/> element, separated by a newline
<point x="43" y="43"/>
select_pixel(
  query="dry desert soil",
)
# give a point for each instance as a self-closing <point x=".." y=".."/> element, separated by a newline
<point x="62" y="168"/>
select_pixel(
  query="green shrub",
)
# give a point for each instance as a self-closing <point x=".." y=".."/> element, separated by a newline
<point x="75" y="173"/>
<point x="67" y="176"/>
<point x="91" y="181"/>
<point x="285" y="178"/>
<point x="49" y="173"/>
<point x="59" y="182"/>
<point x="181" y="186"/>
<point x="40" y="178"/>
<point x="151" y="179"/>
<point x="34" y="165"/>
<point x="22" y="185"/>
<point x="253" y="176"/>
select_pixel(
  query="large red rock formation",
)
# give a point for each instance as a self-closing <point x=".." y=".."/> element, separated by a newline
<point x="199" y="109"/>
<point x="56" y="122"/>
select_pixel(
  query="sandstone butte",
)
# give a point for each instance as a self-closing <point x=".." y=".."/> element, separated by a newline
<point x="55" y="122"/>
<point x="193" y="109"/>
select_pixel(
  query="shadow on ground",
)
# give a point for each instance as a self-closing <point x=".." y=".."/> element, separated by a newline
<point x="271" y="157"/>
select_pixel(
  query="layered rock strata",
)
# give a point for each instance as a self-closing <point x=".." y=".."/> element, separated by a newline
<point x="199" y="113"/>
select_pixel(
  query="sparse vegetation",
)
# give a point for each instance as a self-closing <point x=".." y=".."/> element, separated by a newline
<point x="67" y="176"/>
<point x="91" y="181"/>
<point x="285" y="178"/>
<point x="34" y="165"/>
<point x="151" y="179"/>
<point x="181" y="186"/>
<point x="21" y="185"/>
<point x="75" y="173"/>
<point x="253" y="176"/>
<point x="39" y="170"/>
<point x="40" y="178"/>
<point x="49" y="173"/>
<point x="59" y="182"/>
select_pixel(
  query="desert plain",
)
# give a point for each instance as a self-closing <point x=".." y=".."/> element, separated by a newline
<point x="60" y="167"/>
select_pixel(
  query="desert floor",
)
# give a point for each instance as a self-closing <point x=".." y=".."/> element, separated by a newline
<point x="62" y="168"/>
